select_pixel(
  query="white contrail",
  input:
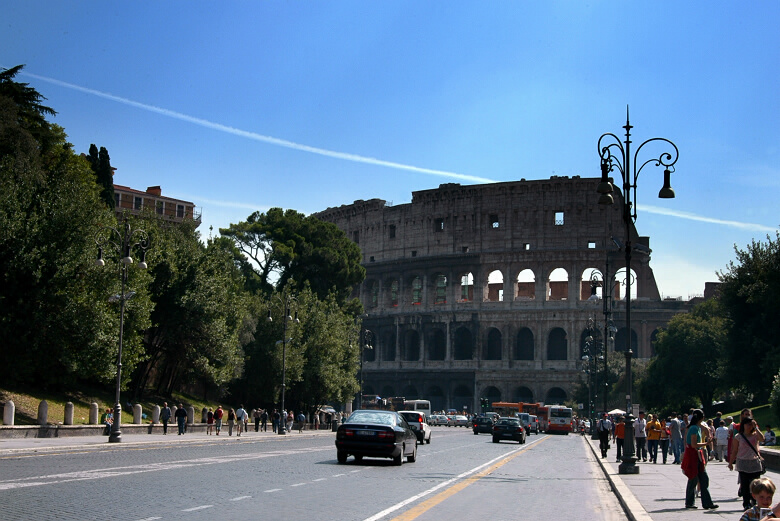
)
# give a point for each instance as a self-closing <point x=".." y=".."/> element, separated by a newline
<point x="693" y="217"/>
<point x="260" y="137"/>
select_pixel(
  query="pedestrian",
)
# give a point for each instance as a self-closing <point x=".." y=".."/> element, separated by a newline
<point x="762" y="490"/>
<point x="653" y="437"/>
<point x="209" y="421"/>
<point x="694" y="464"/>
<point x="241" y="418"/>
<point x="301" y="421"/>
<point x="619" y="436"/>
<point x="769" y="436"/>
<point x="721" y="441"/>
<point x="640" y="435"/>
<point x="218" y="418"/>
<point x="231" y="420"/>
<point x="316" y="421"/>
<point x="107" y="419"/>
<point x="676" y="437"/>
<point x="663" y="443"/>
<point x="256" y="417"/>
<point x="165" y="416"/>
<point x="181" y="418"/>
<point x="290" y="420"/>
<point x="604" y="428"/>
<point x="275" y="421"/>
<point x="710" y="440"/>
<point x="744" y="451"/>
<point x="264" y="420"/>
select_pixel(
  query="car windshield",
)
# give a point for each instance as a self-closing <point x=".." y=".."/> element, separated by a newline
<point x="412" y="416"/>
<point x="508" y="421"/>
<point x="375" y="417"/>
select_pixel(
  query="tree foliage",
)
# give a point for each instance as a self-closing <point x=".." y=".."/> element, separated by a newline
<point x="750" y="296"/>
<point x="689" y="366"/>
<point x="101" y="165"/>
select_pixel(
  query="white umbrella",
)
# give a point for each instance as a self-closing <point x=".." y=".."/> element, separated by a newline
<point x="616" y="411"/>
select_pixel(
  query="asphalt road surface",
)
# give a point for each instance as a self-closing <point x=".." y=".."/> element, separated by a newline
<point x="296" y="477"/>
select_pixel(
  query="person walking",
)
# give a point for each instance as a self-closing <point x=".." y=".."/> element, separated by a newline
<point x="663" y="442"/>
<point x="264" y="420"/>
<point x="181" y="418"/>
<point x="231" y="420"/>
<point x="165" y="416"/>
<point x="604" y="428"/>
<point x="301" y="421"/>
<point x="209" y="421"/>
<point x="694" y="464"/>
<point x="744" y="451"/>
<point x="256" y="418"/>
<point x="218" y="418"/>
<point x="619" y="436"/>
<point x="653" y="437"/>
<point x="640" y="435"/>
<point x="676" y="438"/>
<point x="241" y="419"/>
<point x="721" y="441"/>
<point x="275" y="420"/>
<point x="290" y="420"/>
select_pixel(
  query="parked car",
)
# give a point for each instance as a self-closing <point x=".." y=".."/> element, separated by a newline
<point x="419" y="424"/>
<point x="460" y="421"/>
<point x="508" y="428"/>
<point x="438" y="419"/>
<point x="376" y="434"/>
<point x="482" y="424"/>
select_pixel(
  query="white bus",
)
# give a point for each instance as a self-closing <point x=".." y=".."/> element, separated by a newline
<point x="419" y="406"/>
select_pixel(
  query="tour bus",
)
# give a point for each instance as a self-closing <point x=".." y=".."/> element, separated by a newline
<point x="419" y="406"/>
<point x="559" y="419"/>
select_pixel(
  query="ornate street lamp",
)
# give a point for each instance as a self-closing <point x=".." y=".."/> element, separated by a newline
<point x="123" y="243"/>
<point x="286" y="300"/>
<point x="615" y="154"/>
<point x="366" y="342"/>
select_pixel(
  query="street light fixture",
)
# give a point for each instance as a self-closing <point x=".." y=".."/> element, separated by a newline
<point x="286" y="301"/>
<point x="615" y="154"/>
<point x="366" y="342"/>
<point x="123" y="243"/>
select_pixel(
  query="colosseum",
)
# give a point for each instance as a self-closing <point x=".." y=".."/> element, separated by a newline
<point x="487" y="290"/>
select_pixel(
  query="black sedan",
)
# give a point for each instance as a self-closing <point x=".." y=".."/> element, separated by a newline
<point x="482" y="424"/>
<point x="509" y="428"/>
<point x="376" y="434"/>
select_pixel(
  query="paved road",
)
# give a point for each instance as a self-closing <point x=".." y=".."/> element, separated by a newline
<point x="296" y="477"/>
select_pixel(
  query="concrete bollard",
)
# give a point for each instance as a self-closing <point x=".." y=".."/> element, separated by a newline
<point x="190" y="414"/>
<point x="137" y="414"/>
<point x="8" y="412"/>
<point x="93" y="413"/>
<point x="204" y="415"/>
<point x="156" y="414"/>
<point x="68" y="420"/>
<point x="43" y="413"/>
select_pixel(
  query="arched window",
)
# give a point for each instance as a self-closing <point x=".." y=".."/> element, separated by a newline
<point x="467" y="287"/>
<point x="495" y="286"/>
<point x="436" y="396"/>
<point x="440" y="296"/>
<point x="556" y="396"/>
<point x="526" y="285"/>
<point x="557" y="344"/>
<point x="463" y="344"/>
<point x="416" y="291"/>
<point x="388" y="347"/>
<point x="558" y="285"/>
<point x="411" y="352"/>
<point x="493" y="349"/>
<point x="492" y="394"/>
<point x="524" y="347"/>
<point x="437" y="345"/>
<point x="523" y="394"/>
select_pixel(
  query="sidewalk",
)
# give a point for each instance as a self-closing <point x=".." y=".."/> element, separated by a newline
<point x="10" y="446"/>
<point x="657" y="493"/>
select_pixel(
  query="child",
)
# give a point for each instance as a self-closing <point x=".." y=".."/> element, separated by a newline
<point x="721" y="441"/>
<point x="762" y="490"/>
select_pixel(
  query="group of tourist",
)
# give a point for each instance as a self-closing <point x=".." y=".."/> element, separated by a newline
<point x="693" y="441"/>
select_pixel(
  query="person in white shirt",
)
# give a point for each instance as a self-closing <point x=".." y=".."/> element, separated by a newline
<point x="640" y="435"/>
<point x="721" y="441"/>
<point x="241" y="418"/>
<point x="769" y="436"/>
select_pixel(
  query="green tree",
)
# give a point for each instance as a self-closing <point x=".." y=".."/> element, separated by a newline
<point x="101" y="165"/>
<point x="688" y="367"/>
<point x="750" y="296"/>
<point x="283" y="245"/>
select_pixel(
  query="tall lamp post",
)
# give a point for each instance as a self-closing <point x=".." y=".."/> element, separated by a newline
<point x="286" y="301"/>
<point x="615" y="154"/>
<point x="366" y="342"/>
<point x="592" y="353"/>
<point x="123" y="242"/>
<point x="607" y="286"/>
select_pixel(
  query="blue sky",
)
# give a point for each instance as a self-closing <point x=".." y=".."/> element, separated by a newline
<point x="242" y="106"/>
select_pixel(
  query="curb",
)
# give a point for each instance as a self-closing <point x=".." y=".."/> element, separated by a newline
<point x="631" y="505"/>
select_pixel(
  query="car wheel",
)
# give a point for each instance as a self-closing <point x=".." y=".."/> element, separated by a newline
<point x="495" y="440"/>
<point x="428" y="441"/>
<point x="341" y="456"/>
<point x="522" y="440"/>
<point x="413" y="457"/>
<point x="399" y="460"/>
<point x="475" y="433"/>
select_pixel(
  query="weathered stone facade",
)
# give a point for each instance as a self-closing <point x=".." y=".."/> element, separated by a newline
<point x="463" y="297"/>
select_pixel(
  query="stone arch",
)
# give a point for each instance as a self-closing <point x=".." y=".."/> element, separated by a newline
<point x="523" y="394"/>
<point x="620" y="285"/>
<point x="525" y="285"/>
<point x="416" y="288"/>
<point x="556" y="396"/>
<point x="558" y="284"/>
<point x="437" y="345"/>
<point x="495" y="286"/>
<point x="439" y="289"/>
<point x="410" y="393"/>
<point x="411" y="350"/>
<point x="621" y="340"/>
<point x="463" y="344"/>
<point x="524" y="346"/>
<point x="368" y="390"/>
<point x="591" y="284"/>
<point x="493" y="346"/>
<point x="557" y="344"/>
<point x="462" y="397"/>
<point x="388" y="346"/>
<point x="492" y="393"/>
<point x="435" y="395"/>
<point x="388" y="391"/>
<point x="466" y="287"/>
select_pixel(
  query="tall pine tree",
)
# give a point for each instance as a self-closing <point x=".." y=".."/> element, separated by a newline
<point x="101" y="165"/>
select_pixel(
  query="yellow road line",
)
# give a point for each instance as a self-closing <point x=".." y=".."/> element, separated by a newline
<point x="423" y="507"/>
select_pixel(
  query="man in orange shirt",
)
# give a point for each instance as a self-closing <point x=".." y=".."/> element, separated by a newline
<point x="619" y="436"/>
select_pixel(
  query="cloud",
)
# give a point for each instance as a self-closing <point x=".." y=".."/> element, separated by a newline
<point x="259" y="137"/>
<point x="693" y="217"/>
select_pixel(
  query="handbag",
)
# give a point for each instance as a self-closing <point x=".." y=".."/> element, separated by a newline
<point x="763" y="464"/>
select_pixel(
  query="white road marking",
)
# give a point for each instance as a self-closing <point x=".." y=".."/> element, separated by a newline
<point x="272" y="490"/>
<point x="298" y="485"/>
<point x="239" y="498"/>
<point x="320" y="479"/>
<point x="193" y="509"/>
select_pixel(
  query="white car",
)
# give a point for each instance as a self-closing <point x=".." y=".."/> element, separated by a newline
<point x="419" y="424"/>
<point x="460" y="421"/>
<point x="438" y="419"/>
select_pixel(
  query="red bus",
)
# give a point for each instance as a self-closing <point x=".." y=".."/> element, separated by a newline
<point x="559" y="419"/>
